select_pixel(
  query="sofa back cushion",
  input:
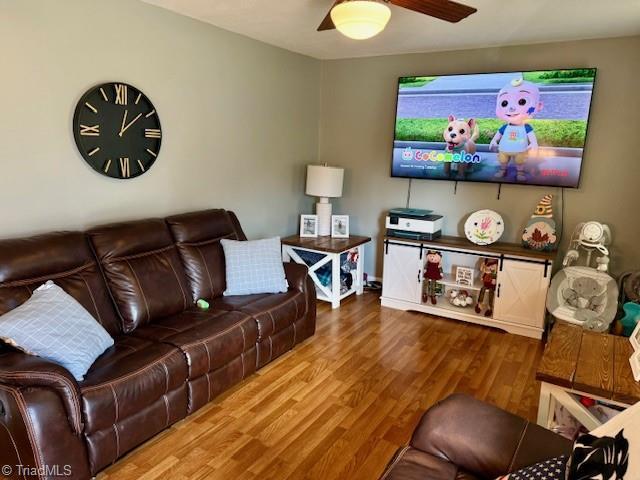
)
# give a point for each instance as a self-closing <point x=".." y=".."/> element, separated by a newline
<point x="67" y="259"/>
<point x="143" y="270"/>
<point x="198" y="236"/>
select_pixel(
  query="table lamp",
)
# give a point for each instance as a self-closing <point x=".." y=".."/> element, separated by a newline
<point x="324" y="182"/>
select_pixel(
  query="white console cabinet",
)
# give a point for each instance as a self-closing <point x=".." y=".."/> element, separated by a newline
<point x="521" y="291"/>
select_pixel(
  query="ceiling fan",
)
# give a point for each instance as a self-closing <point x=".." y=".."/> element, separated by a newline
<point x="362" y="19"/>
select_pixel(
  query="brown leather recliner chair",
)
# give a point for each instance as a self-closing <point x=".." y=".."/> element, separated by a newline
<point x="462" y="438"/>
<point x="140" y="280"/>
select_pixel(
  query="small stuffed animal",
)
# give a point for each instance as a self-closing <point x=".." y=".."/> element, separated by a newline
<point x="433" y="273"/>
<point x="460" y="298"/>
<point x="489" y="270"/>
<point x="603" y="264"/>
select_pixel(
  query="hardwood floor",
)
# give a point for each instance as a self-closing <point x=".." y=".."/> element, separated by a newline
<point x="340" y="404"/>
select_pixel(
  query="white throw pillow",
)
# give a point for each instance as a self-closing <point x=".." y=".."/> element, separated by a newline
<point x="54" y="326"/>
<point x="254" y="267"/>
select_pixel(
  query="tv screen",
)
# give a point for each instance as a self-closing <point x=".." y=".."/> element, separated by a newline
<point x="516" y="127"/>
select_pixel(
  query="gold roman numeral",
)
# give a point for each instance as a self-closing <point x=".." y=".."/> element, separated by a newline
<point x="90" y="131"/>
<point x="125" y="169"/>
<point x="152" y="133"/>
<point x="107" y="165"/>
<point x="121" y="94"/>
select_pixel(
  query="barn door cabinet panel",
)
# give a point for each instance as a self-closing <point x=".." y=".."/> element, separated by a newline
<point x="402" y="273"/>
<point x="522" y="293"/>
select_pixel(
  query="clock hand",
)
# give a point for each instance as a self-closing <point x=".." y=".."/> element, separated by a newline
<point x="130" y="123"/>
<point x="124" y="119"/>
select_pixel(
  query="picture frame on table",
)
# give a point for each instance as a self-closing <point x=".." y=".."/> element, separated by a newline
<point x="308" y="226"/>
<point x="339" y="226"/>
<point x="464" y="276"/>
<point x="635" y="338"/>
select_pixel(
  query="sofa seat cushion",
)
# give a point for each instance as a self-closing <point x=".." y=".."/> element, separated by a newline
<point x="272" y="312"/>
<point x="128" y="378"/>
<point x="208" y="339"/>
<point x="412" y="464"/>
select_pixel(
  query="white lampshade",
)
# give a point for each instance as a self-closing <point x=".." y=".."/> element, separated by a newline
<point x="324" y="182"/>
<point x="360" y="19"/>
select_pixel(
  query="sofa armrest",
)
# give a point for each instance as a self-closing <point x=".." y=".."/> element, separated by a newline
<point x="296" y="275"/>
<point x="484" y="439"/>
<point x="20" y="370"/>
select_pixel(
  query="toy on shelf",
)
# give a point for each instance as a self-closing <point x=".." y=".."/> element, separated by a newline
<point x="433" y="273"/>
<point x="460" y="298"/>
<point x="540" y="232"/>
<point x="489" y="272"/>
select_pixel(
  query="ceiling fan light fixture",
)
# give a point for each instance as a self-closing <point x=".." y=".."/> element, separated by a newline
<point x="360" y="19"/>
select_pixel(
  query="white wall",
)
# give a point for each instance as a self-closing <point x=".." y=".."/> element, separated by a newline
<point x="239" y="117"/>
<point x="357" y="122"/>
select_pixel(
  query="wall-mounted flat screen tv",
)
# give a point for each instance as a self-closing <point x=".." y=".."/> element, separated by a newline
<point x="524" y="128"/>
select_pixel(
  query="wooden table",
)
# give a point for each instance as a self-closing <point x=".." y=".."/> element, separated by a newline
<point x="331" y="249"/>
<point x="579" y="362"/>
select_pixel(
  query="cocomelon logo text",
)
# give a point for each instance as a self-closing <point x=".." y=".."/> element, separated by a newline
<point x="435" y="156"/>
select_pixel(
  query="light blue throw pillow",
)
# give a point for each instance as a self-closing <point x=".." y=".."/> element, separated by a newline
<point x="54" y="326"/>
<point x="254" y="267"/>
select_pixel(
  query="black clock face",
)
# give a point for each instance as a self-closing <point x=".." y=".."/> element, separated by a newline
<point x="117" y="130"/>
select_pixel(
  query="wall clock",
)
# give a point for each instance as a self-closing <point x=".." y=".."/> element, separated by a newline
<point x="117" y="130"/>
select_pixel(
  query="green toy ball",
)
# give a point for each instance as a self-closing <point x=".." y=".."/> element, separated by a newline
<point x="203" y="304"/>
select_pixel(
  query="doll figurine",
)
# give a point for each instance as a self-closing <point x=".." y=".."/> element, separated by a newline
<point x="489" y="271"/>
<point x="517" y="103"/>
<point x="433" y="273"/>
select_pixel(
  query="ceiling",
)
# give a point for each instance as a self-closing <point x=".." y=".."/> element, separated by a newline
<point x="291" y="24"/>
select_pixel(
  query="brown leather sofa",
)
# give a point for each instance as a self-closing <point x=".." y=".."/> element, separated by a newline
<point x="140" y="280"/>
<point x="462" y="438"/>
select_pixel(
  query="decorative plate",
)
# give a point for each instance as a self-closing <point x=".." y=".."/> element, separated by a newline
<point x="484" y="227"/>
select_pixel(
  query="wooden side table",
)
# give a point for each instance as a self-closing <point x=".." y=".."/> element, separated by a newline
<point x="579" y="362"/>
<point x="330" y="250"/>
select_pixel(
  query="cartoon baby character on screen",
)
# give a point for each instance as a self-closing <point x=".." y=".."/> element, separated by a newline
<point x="517" y="103"/>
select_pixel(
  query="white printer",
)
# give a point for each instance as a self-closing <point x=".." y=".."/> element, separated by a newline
<point x="414" y="223"/>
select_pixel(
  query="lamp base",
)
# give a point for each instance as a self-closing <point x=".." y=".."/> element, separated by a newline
<point x="323" y="210"/>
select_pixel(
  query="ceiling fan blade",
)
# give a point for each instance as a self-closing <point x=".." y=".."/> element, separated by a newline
<point x="443" y="9"/>
<point x="327" y="23"/>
